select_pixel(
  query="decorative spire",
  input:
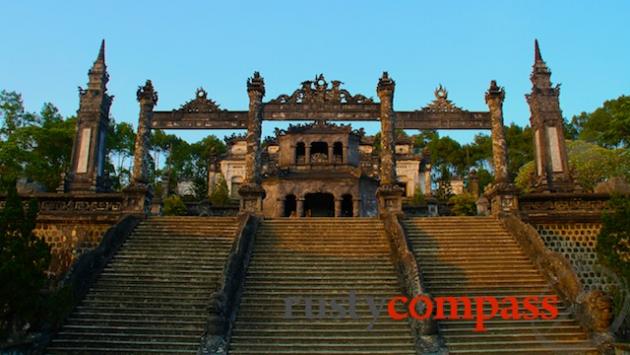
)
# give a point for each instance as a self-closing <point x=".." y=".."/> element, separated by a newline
<point x="101" y="52"/>
<point x="537" y="56"/>
<point x="256" y="84"/>
<point x="98" y="76"/>
<point x="541" y="75"/>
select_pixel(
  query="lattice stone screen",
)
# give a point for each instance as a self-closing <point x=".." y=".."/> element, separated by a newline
<point x="577" y="241"/>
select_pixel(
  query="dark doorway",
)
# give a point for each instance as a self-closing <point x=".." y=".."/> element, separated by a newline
<point x="290" y="205"/>
<point x="300" y="152"/>
<point x="346" y="206"/>
<point x="319" y="205"/>
<point x="338" y="152"/>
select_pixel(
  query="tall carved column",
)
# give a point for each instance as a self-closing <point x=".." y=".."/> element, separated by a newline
<point x="389" y="194"/>
<point x="502" y="194"/>
<point x="88" y="151"/>
<point x="299" y="207"/>
<point x="252" y="194"/>
<point x="494" y="98"/>
<point x="552" y="163"/>
<point x="147" y="97"/>
<point x="138" y="194"/>
<point x="337" y="208"/>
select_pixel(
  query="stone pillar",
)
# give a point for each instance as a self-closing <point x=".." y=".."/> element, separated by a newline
<point x="356" y="208"/>
<point x="473" y="183"/>
<point x="345" y="158"/>
<point x="388" y="194"/>
<point x="251" y="192"/>
<point x="299" y="207"/>
<point x="552" y="172"/>
<point x="138" y="194"/>
<point x="330" y="154"/>
<point x="427" y="180"/>
<point x="494" y="99"/>
<point x="147" y="97"/>
<point x="88" y="151"/>
<point x="307" y="153"/>
<point x="502" y="194"/>
<point x="280" y="207"/>
<point x="337" y="208"/>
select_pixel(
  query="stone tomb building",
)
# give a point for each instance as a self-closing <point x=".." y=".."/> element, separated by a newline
<point x="322" y="170"/>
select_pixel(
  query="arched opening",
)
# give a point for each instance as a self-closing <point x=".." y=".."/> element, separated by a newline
<point x="319" y="152"/>
<point x="338" y="152"/>
<point x="319" y="205"/>
<point x="235" y="184"/>
<point x="290" y="206"/>
<point x="346" y="206"/>
<point x="300" y="153"/>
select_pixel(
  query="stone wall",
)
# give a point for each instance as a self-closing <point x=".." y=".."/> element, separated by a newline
<point x="73" y="223"/>
<point x="69" y="240"/>
<point x="577" y="242"/>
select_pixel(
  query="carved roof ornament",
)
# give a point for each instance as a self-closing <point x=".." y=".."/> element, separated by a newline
<point x="317" y="91"/>
<point x="201" y="103"/>
<point x="441" y="102"/>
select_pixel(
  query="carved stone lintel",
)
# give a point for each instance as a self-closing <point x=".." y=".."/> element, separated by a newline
<point x="317" y="92"/>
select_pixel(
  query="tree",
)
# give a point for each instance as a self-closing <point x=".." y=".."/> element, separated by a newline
<point x="444" y="190"/>
<point x="23" y="261"/>
<point x="220" y="194"/>
<point x="35" y="147"/>
<point x="590" y="165"/>
<point x="608" y="125"/>
<point x="120" y="148"/>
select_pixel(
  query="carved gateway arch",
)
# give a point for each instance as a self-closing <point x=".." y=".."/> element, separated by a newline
<point x="319" y="100"/>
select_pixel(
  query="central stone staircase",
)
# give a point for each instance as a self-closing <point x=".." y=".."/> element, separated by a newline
<point x="326" y="259"/>
<point x="153" y="297"/>
<point x="475" y="256"/>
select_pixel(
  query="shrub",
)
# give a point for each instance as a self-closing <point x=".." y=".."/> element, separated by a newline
<point x="174" y="206"/>
<point x="463" y="205"/>
<point x="418" y="198"/>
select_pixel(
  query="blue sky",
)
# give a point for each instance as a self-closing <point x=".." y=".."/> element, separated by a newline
<point x="47" y="48"/>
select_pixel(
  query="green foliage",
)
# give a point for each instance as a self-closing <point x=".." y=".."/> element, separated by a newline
<point x="590" y="164"/>
<point x="444" y="190"/>
<point x="23" y="261"/>
<point x="418" y="198"/>
<point x="120" y="147"/>
<point x="608" y="126"/>
<point x="220" y="194"/>
<point x="35" y="147"/>
<point x="613" y="241"/>
<point x="463" y="205"/>
<point x="524" y="179"/>
<point x="174" y="206"/>
<point x="485" y="177"/>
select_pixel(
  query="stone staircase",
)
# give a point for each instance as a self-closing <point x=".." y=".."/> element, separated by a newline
<point x="326" y="259"/>
<point x="153" y="296"/>
<point x="475" y="256"/>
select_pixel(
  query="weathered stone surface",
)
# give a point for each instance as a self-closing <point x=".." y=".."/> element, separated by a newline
<point x="552" y="164"/>
<point x="147" y="97"/>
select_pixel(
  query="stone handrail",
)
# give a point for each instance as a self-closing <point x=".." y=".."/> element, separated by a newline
<point x="224" y="300"/>
<point x="592" y="309"/>
<point x="425" y="332"/>
<point x="83" y="273"/>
